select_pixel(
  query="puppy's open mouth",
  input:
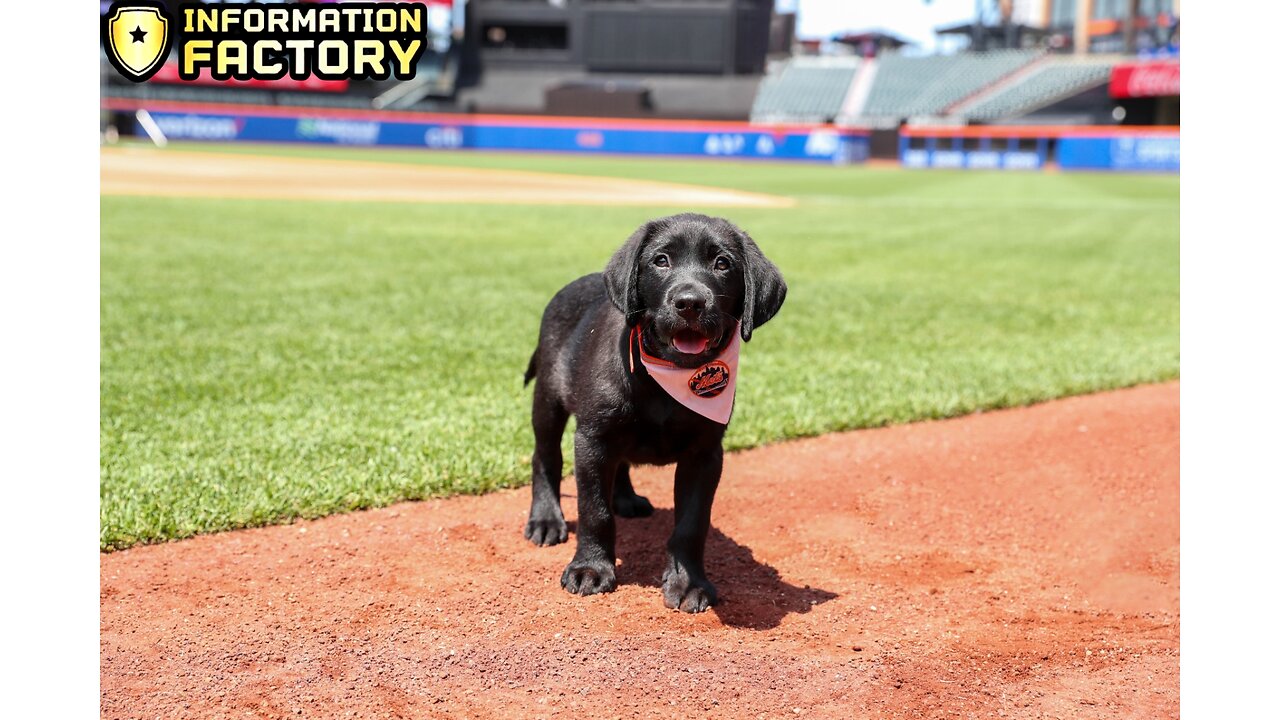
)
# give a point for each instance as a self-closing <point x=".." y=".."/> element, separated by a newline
<point x="689" y="342"/>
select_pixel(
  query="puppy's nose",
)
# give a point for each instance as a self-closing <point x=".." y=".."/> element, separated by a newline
<point x="689" y="304"/>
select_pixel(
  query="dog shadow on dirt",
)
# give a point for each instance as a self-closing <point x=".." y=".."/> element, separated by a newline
<point x="751" y="593"/>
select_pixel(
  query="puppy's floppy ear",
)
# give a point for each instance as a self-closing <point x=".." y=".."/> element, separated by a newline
<point x="622" y="273"/>
<point x="764" y="290"/>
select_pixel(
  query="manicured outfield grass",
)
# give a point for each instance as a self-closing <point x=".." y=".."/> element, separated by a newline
<point x="263" y="361"/>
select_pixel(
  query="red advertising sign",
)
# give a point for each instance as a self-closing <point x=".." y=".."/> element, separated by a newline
<point x="169" y="74"/>
<point x="1146" y="79"/>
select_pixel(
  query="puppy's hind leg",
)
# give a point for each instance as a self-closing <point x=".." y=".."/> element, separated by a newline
<point x="626" y="503"/>
<point x="546" y="524"/>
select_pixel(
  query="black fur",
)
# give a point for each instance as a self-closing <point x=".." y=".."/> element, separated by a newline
<point x="711" y="276"/>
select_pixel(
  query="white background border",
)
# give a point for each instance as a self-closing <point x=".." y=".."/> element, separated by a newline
<point x="49" y="289"/>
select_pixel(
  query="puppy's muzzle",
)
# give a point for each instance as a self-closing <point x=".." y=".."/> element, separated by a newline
<point x="689" y="303"/>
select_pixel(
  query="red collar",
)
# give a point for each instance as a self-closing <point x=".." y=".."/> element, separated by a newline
<point x="637" y="340"/>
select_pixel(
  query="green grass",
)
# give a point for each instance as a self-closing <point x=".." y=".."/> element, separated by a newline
<point x="263" y="361"/>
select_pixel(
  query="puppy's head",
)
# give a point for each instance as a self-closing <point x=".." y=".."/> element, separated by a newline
<point x="688" y="280"/>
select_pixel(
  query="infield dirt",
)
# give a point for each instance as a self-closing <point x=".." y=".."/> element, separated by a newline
<point x="175" y="173"/>
<point x="1020" y="563"/>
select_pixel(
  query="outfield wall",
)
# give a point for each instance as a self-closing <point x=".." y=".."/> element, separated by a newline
<point x="227" y="122"/>
<point x="1032" y="147"/>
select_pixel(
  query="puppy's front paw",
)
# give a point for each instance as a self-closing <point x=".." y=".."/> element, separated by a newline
<point x="588" y="577"/>
<point x="546" y="531"/>
<point x="685" y="593"/>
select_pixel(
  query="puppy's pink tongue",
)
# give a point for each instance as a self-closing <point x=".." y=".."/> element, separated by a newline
<point x="689" y="343"/>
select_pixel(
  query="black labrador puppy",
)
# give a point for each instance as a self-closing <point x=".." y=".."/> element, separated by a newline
<point x="671" y="303"/>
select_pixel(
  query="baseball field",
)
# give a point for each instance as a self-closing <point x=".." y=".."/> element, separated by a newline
<point x="290" y="333"/>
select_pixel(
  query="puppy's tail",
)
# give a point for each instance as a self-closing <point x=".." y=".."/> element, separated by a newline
<point x="532" y="370"/>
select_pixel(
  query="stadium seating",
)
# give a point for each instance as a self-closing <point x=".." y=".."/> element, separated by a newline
<point x="804" y="89"/>
<point x="1053" y="79"/>
<point x="921" y="86"/>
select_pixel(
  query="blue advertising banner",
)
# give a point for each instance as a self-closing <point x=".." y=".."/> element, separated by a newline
<point x="817" y="144"/>
<point x="1132" y="153"/>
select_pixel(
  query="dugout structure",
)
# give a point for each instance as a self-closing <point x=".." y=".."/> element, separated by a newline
<point x="1034" y="147"/>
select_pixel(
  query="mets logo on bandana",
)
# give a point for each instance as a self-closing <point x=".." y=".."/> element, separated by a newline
<point x="137" y="35"/>
<point x="710" y="380"/>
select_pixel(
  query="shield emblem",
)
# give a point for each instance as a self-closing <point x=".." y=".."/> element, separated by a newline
<point x="138" y="38"/>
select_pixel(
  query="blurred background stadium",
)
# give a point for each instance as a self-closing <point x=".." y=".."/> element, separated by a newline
<point x="1076" y="84"/>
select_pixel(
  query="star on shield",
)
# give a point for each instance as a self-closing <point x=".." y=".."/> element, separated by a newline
<point x="137" y="38"/>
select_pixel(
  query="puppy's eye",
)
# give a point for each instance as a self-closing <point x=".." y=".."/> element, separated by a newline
<point x="722" y="263"/>
<point x="662" y="261"/>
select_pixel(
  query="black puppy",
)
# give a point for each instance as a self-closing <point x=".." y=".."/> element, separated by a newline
<point x="673" y="297"/>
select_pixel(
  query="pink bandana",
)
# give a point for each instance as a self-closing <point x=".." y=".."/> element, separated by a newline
<point x="707" y="390"/>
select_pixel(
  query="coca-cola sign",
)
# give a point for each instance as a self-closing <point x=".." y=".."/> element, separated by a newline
<point x="1148" y="79"/>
